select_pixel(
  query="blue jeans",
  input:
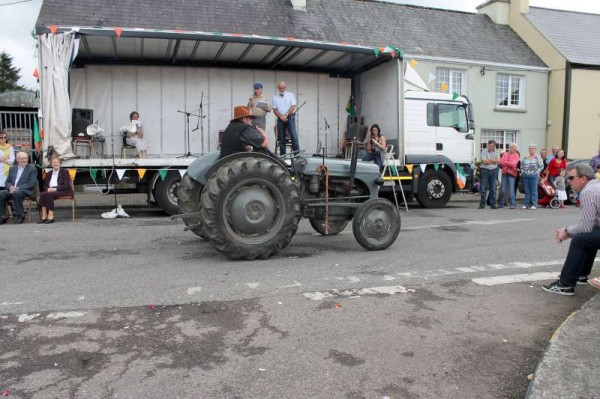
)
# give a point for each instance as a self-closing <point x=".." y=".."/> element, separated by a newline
<point x="580" y="259"/>
<point x="530" y="183"/>
<point x="508" y="184"/>
<point x="489" y="181"/>
<point x="291" y="125"/>
<point x="376" y="157"/>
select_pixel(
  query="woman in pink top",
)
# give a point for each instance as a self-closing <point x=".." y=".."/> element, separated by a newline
<point x="508" y="162"/>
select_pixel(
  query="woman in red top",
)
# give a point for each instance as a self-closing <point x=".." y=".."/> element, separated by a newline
<point x="555" y="165"/>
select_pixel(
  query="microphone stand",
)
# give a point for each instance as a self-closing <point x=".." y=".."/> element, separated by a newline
<point x="327" y="127"/>
<point x="200" y="125"/>
<point x="186" y="142"/>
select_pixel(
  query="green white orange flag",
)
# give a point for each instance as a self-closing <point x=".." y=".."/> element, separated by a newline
<point x="461" y="177"/>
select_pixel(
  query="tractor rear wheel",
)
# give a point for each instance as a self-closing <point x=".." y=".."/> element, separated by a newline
<point x="250" y="208"/>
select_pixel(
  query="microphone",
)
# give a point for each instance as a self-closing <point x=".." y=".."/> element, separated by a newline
<point x="327" y="124"/>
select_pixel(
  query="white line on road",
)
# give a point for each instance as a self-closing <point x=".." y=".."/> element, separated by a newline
<point x="389" y="290"/>
<point x="515" y="278"/>
<point x="64" y="315"/>
<point x="253" y="285"/>
<point x="193" y="290"/>
<point x="479" y="222"/>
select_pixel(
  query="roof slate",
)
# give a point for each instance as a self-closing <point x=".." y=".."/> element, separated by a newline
<point x="575" y="35"/>
<point x="416" y="30"/>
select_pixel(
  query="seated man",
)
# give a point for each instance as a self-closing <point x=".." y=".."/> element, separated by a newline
<point x="241" y="136"/>
<point x="585" y="235"/>
<point x="20" y="183"/>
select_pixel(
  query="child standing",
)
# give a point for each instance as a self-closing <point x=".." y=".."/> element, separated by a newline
<point x="561" y="187"/>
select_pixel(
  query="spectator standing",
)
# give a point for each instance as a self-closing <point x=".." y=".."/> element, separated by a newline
<point x="7" y="158"/>
<point x="508" y="163"/>
<point x="595" y="162"/>
<point x="544" y="155"/>
<point x="555" y="165"/>
<point x="531" y="166"/>
<point x="555" y="149"/>
<point x="561" y="187"/>
<point x="490" y="158"/>
<point x="585" y="234"/>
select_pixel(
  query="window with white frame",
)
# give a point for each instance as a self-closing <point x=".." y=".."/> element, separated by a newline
<point x="510" y="91"/>
<point x="453" y="78"/>
<point x="503" y="138"/>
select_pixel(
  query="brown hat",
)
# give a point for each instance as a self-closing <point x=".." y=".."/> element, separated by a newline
<point x="241" y="111"/>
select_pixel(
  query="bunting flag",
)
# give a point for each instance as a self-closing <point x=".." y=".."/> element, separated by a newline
<point x="47" y="170"/>
<point x="454" y="95"/>
<point x="141" y="172"/>
<point x="376" y="51"/>
<point x="120" y="173"/>
<point x="118" y="31"/>
<point x="423" y="166"/>
<point x="436" y="166"/>
<point x="443" y="87"/>
<point x="461" y="177"/>
<point x="410" y="168"/>
<point x="53" y="29"/>
<point x="350" y="109"/>
<point x="72" y="173"/>
<point x="36" y="74"/>
<point x="413" y="63"/>
<point x="182" y="172"/>
<point x="163" y="174"/>
<point x="431" y="77"/>
<point x="93" y="173"/>
<point x="37" y="140"/>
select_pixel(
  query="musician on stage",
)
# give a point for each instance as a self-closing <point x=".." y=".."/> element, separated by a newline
<point x="284" y="106"/>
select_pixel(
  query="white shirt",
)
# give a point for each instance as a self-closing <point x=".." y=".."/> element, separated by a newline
<point x="54" y="178"/>
<point x="20" y="170"/>
<point x="283" y="103"/>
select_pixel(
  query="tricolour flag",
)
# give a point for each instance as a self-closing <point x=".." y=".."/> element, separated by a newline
<point x="461" y="177"/>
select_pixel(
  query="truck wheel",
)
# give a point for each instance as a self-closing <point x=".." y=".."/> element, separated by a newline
<point x="188" y="198"/>
<point x="435" y="189"/>
<point x="376" y="224"/>
<point x="165" y="192"/>
<point x="571" y="196"/>
<point x="250" y="208"/>
<point x="335" y="226"/>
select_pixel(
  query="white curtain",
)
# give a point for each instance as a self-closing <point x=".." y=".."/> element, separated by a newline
<point x="56" y="55"/>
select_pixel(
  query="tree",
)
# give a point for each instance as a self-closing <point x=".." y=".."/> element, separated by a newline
<point x="9" y="75"/>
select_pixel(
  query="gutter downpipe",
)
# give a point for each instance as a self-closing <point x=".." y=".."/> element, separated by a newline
<point x="567" y="108"/>
<point x="400" y="108"/>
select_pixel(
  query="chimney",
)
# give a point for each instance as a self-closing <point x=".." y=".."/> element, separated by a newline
<point x="299" y="5"/>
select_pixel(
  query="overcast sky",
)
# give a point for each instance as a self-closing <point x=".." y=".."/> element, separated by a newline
<point x="18" y="20"/>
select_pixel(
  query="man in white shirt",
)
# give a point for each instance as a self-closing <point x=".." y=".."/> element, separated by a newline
<point x="284" y="106"/>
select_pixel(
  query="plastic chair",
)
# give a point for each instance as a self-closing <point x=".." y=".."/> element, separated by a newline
<point x="127" y="147"/>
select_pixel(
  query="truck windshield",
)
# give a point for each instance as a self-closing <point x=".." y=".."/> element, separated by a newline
<point x="453" y="115"/>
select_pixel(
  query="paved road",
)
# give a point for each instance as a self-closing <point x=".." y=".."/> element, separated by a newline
<point x="136" y="307"/>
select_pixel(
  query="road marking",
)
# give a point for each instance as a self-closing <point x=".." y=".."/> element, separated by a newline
<point x="194" y="290"/>
<point x="477" y="222"/>
<point x="10" y="303"/>
<point x="296" y="284"/>
<point x="353" y="292"/>
<point x="27" y="317"/>
<point x="64" y="315"/>
<point x="515" y="278"/>
<point x="253" y="285"/>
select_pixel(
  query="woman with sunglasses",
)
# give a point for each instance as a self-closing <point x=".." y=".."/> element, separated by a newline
<point x="7" y="158"/>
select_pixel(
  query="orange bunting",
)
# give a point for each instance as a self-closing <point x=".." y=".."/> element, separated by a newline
<point x="53" y="29"/>
<point x="36" y="73"/>
<point x="443" y="87"/>
<point x="41" y="133"/>
<point x="118" y="31"/>
<point x="72" y="173"/>
<point x="141" y="173"/>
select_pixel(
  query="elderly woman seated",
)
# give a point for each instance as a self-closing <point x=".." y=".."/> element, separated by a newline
<point x="57" y="184"/>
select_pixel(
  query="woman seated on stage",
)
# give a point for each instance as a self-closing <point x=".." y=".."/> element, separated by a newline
<point x="375" y="144"/>
<point x="56" y="184"/>
<point x="136" y="139"/>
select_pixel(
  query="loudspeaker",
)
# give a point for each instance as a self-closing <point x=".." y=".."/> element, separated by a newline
<point x="81" y="119"/>
<point x="356" y="128"/>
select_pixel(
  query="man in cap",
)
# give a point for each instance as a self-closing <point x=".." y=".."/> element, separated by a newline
<point x="241" y="136"/>
<point x="259" y="107"/>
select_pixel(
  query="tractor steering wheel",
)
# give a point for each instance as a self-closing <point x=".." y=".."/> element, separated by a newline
<point x="292" y="155"/>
